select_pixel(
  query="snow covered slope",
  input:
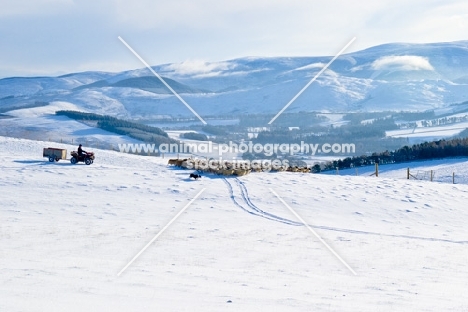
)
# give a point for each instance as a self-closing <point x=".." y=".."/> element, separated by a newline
<point x="442" y="170"/>
<point x="41" y="123"/>
<point x="66" y="231"/>
<point x="387" y="77"/>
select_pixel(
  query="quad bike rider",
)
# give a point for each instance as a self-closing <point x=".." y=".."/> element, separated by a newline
<point x="82" y="156"/>
<point x="80" y="150"/>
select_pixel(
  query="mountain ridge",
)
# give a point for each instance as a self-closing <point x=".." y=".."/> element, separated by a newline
<point x="394" y="76"/>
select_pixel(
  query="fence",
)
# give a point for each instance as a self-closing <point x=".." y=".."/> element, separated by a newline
<point x="356" y="170"/>
<point x="443" y="175"/>
<point x="428" y="175"/>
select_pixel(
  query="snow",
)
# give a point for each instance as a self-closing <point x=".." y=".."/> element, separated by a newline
<point x="442" y="170"/>
<point x="67" y="230"/>
<point x="398" y="77"/>
<point x="421" y="134"/>
<point x="41" y="123"/>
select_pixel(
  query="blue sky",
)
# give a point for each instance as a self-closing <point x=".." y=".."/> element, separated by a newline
<point x="53" y="37"/>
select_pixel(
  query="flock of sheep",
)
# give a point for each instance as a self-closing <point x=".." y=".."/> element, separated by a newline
<point x="228" y="168"/>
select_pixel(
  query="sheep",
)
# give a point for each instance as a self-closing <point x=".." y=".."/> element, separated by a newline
<point x="228" y="172"/>
<point x="242" y="172"/>
<point x="180" y="161"/>
<point x="172" y="162"/>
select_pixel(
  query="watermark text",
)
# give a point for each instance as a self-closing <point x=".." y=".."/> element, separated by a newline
<point x="268" y="149"/>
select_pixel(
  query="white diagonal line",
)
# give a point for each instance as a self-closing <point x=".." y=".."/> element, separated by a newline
<point x="162" y="80"/>
<point x="313" y="232"/>
<point x="310" y="82"/>
<point x="160" y="232"/>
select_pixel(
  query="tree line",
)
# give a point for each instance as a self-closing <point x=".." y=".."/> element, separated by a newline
<point x="456" y="147"/>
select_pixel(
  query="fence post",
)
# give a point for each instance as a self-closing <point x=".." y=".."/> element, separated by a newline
<point x="407" y="173"/>
<point x="432" y="174"/>
<point x="337" y="171"/>
<point x="376" y="169"/>
<point x="453" y="177"/>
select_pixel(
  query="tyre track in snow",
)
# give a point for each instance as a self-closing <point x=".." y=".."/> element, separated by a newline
<point x="250" y="208"/>
<point x="245" y="196"/>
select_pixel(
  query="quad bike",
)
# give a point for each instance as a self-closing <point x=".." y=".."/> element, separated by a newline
<point x="87" y="158"/>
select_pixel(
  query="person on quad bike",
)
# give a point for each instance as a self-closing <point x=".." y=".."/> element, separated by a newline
<point x="81" y="152"/>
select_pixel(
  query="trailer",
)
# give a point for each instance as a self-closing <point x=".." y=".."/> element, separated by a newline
<point x="54" y="154"/>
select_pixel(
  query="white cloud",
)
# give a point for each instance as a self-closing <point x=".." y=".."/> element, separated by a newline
<point x="199" y="67"/>
<point x="402" y="62"/>
<point x="75" y="33"/>
<point x="312" y="66"/>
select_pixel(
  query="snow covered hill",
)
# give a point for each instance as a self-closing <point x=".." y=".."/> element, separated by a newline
<point x="387" y="77"/>
<point x="67" y="230"/>
<point x="41" y="123"/>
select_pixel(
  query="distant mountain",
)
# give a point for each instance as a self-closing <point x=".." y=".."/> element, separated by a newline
<point x="148" y="83"/>
<point x="396" y="76"/>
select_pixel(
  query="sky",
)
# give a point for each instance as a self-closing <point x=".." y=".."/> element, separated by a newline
<point x="55" y="37"/>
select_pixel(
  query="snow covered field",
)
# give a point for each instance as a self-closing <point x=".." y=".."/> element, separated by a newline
<point x="66" y="231"/>
<point x="425" y="134"/>
<point x="442" y="170"/>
